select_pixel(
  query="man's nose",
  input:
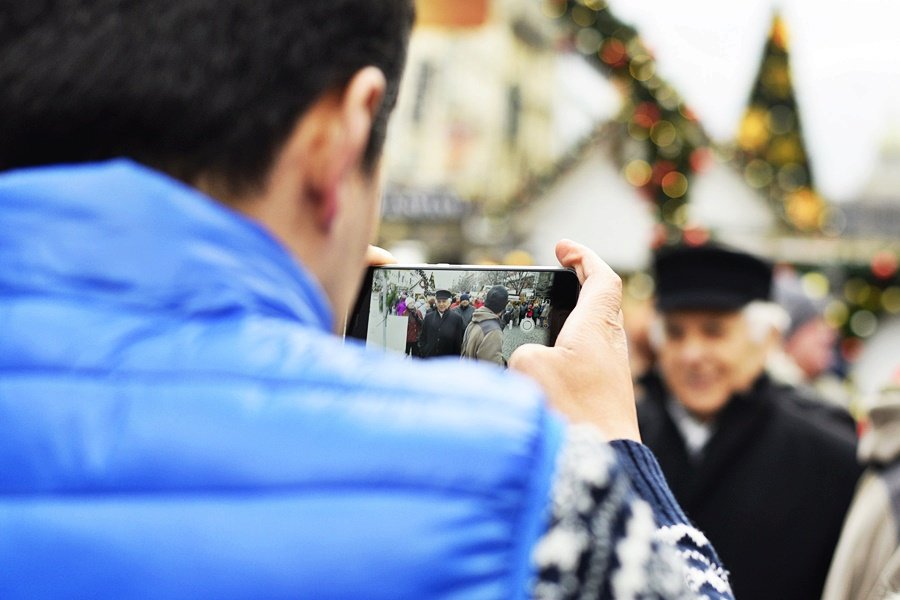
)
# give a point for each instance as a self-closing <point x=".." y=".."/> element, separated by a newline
<point x="692" y="350"/>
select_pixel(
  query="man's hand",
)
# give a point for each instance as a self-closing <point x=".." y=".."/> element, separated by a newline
<point x="586" y="375"/>
<point x="376" y="256"/>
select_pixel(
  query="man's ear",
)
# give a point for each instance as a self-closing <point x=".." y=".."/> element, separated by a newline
<point x="335" y="141"/>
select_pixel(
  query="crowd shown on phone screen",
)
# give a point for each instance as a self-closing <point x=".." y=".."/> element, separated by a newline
<point x="188" y="192"/>
<point x="486" y="325"/>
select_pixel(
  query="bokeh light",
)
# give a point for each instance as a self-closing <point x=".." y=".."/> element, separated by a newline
<point x="758" y="173"/>
<point x="890" y="299"/>
<point x="836" y="314"/>
<point x="640" y="286"/>
<point x="815" y="284"/>
<point x="754" y="131"/>
<point x="792" y="176"/>
<point x="680" y="216"/>
<point x="553" y="9"/>
<point x="519" y="258"/>
<point x="637" y="132"/>
<point x="663" y="133"/>
<point x="785" y="149"/>
<point x="674" y="184"/>
<point x="695" y="236"/>
<point x="595" y="4"/>
<point x="863" y="323"/>
<point x="613" y="52"/>
<point x="781" y="119"/>
<point x="777" y="78"/>
<point x="584" y="16"/>
<point x="804" y="209"/>
<point x="646" y="114"/>
<point x="638" y="172"/>
<point x="642" y="67"/>
<point x="856" y="290"/>
<point x="884" y="264"/>
<point x="588" y="40"/>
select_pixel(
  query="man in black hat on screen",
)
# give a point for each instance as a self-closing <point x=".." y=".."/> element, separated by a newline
<point x="442" y="329"/>
<point x="766" y="480"/>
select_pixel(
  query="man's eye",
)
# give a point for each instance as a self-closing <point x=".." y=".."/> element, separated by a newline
<point x="712" y="330"/>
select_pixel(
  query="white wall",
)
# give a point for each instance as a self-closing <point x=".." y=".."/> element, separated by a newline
<point x="593" y="205"/>
<point x="721" y="201"/>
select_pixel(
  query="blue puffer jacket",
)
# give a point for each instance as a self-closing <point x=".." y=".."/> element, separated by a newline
<point x="177" y="422"/>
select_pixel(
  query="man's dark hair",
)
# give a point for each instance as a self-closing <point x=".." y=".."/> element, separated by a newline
<point x="192" y="87"/>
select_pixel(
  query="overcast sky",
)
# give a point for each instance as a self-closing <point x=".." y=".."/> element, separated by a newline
<point x="845" y="63"/>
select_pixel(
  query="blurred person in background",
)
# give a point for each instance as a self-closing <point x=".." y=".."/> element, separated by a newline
<point x="866" y="564"/>
<point x="804" y="356"/>
<point x="808" y="351"/>
<point x="767" y="484"/>
<point x="188" y="190"/>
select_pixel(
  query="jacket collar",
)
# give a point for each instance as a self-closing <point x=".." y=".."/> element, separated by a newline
<point x="118" y="232"/>
<point x="736" y="426"/>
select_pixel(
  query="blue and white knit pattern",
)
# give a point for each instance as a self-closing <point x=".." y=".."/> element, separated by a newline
<point x="616" y="531"/>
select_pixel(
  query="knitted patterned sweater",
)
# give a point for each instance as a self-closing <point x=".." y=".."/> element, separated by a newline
<point x="616" y="531"/>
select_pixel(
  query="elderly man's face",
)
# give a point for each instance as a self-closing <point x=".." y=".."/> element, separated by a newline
<point x="707" y="356"/>
<point x="443" y="304"/>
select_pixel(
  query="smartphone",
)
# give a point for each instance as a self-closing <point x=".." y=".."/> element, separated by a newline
<point x="410" y="309"/>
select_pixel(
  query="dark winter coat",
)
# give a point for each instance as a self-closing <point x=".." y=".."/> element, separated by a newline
<point x="441" y="335"/>
<point x="770" y="491"/>
<point x="413" y="324"/>
<point x="466" y="313"/>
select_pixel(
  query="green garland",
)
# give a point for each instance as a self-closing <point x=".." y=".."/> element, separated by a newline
<point x="672" y="144"/>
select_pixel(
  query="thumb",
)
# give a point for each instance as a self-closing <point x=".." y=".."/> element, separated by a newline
<point x="600" y="299"/>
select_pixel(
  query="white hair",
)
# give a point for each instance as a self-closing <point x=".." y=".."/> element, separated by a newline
<point x="762" y="318"/>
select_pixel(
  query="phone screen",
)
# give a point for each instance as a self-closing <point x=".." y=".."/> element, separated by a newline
<point x="482" y="313"/>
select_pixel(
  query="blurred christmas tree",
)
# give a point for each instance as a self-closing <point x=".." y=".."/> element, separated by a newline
<point x="770" y="141"/>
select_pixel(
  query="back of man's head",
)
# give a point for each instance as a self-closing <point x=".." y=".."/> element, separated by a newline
<point x="496" y="299"/>
<point x="197" y="88"/>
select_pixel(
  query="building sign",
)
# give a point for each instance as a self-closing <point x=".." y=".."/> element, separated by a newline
<point x="871" y="219"/>
<point x="423" y="205"/>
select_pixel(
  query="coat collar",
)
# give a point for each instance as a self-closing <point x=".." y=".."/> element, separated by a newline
<point x="118" y="232"/>
<point x="737" y="425"/>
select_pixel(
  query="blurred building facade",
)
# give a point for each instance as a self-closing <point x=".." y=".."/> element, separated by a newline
<point x="507" y="137"/>
<point x="479" y="112"/>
